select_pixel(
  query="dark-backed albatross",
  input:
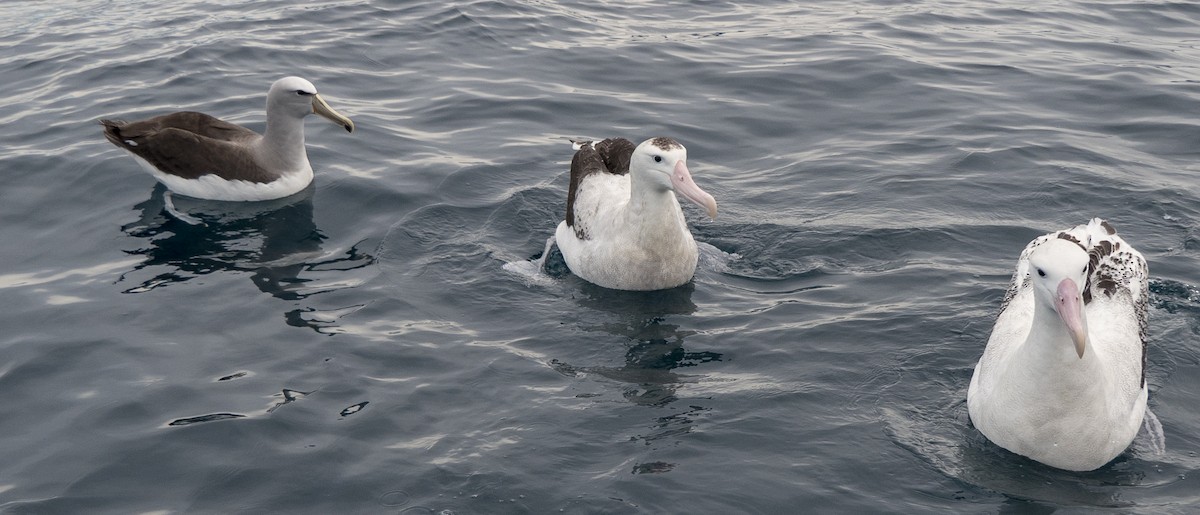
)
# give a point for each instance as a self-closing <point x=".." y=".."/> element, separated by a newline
<point x="1062" y="380"/>
<point x="200" y="156"/>
<point x="624" y="228"/>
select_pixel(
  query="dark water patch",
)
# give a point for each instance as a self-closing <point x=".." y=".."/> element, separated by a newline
<point x="353" y="408"/>
<point x="235" y="375"/>
<point x="204" y="418"/>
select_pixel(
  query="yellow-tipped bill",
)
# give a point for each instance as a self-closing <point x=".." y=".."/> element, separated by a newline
<point x="320" y="107"/>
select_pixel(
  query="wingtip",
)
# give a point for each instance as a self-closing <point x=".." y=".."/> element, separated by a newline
<point x="112" y="130"/>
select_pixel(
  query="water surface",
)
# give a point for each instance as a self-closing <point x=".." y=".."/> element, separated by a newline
<point x="359" y="347"/>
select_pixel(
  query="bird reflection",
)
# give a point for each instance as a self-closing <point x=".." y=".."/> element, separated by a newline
<point x="654" y="353"/>
<point x="276" y="241"/>
<point x="654" y="358"/>
<point x="651" y="363"/>
<point x="655" y="348"/>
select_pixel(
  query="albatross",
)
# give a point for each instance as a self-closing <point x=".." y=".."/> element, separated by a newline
<point x="624" y="228"/>
<point x="200" y="156"/>
<point x="1063" y="377"/>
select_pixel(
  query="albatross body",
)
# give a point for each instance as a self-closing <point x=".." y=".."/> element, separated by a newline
<point x="624" y="227"/>
<point x="200" y="156"/>
<point x="1062" y="379"/>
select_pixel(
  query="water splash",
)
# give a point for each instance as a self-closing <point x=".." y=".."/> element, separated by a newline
<point x="1156" y="439"/>
<point x="533" y="270"/>
<point x="714" y="259"/>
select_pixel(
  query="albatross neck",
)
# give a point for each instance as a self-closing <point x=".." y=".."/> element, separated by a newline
<point x="1050" y="352"/>
<point x="656" y="211"/>
<point x="283" y="139"/>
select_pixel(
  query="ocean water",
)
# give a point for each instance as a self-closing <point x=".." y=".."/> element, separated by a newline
<point x="361" y="347"/>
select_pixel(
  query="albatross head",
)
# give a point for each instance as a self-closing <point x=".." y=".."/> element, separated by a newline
<point x="299" y="98"/>
<point x="662" y="163"/>
<point x="1058" y="270"/>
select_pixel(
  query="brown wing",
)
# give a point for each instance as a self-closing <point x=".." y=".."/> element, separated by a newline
<point x="586" y="162"/>
<point x="616" y="153"/>
<point x="609" y="156"/>
<point x="189" y="145"/>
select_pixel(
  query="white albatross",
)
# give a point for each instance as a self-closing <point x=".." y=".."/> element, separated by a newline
<point x="200" y="156"/>
<point x="624" y="228"/>
<point x="1062" y="380"/>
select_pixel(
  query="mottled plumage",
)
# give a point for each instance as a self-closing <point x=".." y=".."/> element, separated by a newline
<point x="1062" y="386"/>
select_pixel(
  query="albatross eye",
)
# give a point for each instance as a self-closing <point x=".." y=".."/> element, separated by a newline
<point x="657" y="159"/>
<point x="1041" y="273"/>
<point x="302" y="93"/>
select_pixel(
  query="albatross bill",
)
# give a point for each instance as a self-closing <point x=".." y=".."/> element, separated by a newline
<point x="321" y="108"/>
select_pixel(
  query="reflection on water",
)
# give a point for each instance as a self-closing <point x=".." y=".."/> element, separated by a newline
<point x="654" y="353"/>
<point x="654" y="358"/>
<point x="276" y="241"/>
<point x="654" y="348"/>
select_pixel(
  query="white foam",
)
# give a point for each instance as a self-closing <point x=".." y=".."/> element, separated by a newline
<point x="179" y="215"/>
<point x="1157" y="440"/>
<point x="533" y="270"/>
<point x="714" y="259"/>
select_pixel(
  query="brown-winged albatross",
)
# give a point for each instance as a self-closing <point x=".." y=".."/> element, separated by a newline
<point x="1063" y="380"/>
<point x="624" y="228"/>
<point x="200" y="156"/>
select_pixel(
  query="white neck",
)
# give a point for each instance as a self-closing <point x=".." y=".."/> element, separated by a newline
<point x="284" y="139"/>
<point x="1049" y="359"/>
<point x="655" y="210"/>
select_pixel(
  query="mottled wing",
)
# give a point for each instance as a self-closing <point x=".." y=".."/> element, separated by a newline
<point x="616" y="153"/>
<point x="1118" y="287"/>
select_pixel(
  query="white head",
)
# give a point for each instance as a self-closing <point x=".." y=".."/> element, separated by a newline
<point x="1058" y="270"/>
<point x="662" y="163"/>
<point x="298" y="98"/>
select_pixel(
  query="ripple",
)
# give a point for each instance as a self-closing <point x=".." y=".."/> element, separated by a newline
<point x="879" y="165"/>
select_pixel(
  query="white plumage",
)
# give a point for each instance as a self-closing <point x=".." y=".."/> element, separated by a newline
<point x="624" y="228"/>
<point x="1062" y="380"/>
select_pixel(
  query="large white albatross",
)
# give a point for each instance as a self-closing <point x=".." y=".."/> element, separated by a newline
<point x="624" y="228"/>
<point x="1062" y="379"/>
<point x="200" y="156"/>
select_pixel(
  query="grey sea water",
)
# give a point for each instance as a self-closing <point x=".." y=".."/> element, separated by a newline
<point x="361" y="348"/>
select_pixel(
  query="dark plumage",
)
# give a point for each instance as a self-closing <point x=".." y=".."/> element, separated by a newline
<point x="608" y="156"/>
<point x="166" y="142"/>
